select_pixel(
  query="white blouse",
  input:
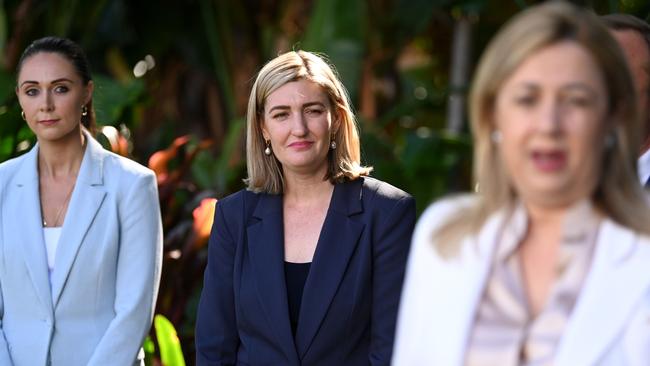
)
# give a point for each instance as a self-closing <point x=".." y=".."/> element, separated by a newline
<point x="505" y="332"/>
<point x="51" y="235"/>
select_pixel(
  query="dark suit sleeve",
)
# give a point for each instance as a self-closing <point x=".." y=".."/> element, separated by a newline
<point x="216" y="329"/>
<point x="391" y="247"/>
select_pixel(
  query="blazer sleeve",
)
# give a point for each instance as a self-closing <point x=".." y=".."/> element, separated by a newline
<point x="138" y="274"/>
<point x="5" y="358"/>
<point x="418" y="300"/>
<point x="217" y="339"/>
<point x="391" y="249"/>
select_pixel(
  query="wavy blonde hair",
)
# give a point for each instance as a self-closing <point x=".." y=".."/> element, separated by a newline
<point x="265" y="172"/>
<point x="618" y="192"/>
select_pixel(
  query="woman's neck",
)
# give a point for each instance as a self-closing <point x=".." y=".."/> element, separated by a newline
<point x="305" y="189"/>
<point x="546" y="218"/>
<point x="61" y="158"/>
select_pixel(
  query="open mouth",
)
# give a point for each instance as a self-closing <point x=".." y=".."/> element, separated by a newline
<point x="549" y="160"/>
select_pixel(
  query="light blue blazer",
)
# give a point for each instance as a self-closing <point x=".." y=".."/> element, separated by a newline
<point x="107" y="268"/>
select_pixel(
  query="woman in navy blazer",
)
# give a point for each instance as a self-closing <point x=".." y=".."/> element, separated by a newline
<point x="305" y="267"/>
<point x="80" y="228"/>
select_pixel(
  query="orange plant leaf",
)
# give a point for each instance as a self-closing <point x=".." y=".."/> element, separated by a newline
<point x="203" y="219"/>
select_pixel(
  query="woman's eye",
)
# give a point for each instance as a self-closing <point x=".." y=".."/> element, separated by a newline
<point x="31" y="92"/>
<point x="61" y="89"/>
<point x="579" y="101"/>
<point x="281" y="115"/>
<point x="314" y="111"/>
<point x="525" y="101"/>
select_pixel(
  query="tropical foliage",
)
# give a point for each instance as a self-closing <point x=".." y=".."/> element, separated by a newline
<point x="172" y="81"/>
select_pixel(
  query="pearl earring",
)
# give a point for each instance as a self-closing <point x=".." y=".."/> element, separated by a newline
<point x="267" y="151"/>
<point x="495" y="136"/>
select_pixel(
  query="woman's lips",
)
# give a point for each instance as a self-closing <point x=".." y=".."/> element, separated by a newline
<point x="549" y="161"/>
<point x="301" y="145"/>
<point x="48" y="122"/>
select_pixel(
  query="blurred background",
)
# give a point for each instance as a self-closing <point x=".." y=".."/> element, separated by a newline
<point x="172" y="82"/>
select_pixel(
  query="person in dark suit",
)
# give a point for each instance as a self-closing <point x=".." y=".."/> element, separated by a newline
<point x="305" y="266"/>
<point x="633" y="35"/>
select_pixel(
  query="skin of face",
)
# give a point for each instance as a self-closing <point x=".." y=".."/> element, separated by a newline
<point x="552" y="114"/>
<point x="637" y="55"/>
<point x="299" y="122"/>
<point x="51" y="94"/>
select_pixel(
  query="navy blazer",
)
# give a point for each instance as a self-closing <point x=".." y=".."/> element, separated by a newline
<point x="351" y="296"/>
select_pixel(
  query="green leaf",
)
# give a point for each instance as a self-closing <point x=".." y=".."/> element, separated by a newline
<point x="112" y="98"/>
<point x="171" y="353"/>
<point x="224" y="171"/>
<point x="7" y="85"/>
<point x="148" y="346"/>
<point x="337" y="28"/>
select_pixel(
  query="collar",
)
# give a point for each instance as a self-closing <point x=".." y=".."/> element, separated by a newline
<point x="90" y="171"/>
<point x="580" y="222"/>
<point x="643" y="167"/>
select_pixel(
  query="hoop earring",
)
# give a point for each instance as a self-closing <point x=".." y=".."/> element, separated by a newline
<point x="22" y="114"/>
<point x="267" y="151"/>
<point x="84" y="110"/>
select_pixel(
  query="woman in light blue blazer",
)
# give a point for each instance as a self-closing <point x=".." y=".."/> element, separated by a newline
<point x="80" y="228"/>
<point x="548" y="262"/>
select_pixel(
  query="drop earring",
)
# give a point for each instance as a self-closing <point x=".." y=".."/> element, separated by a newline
<point x="495" y="136"/>
<point x="267" y="151"/>
<point x="84" y="110"/>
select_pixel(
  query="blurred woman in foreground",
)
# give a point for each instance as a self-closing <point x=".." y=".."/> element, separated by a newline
<point x="549" y="262"/>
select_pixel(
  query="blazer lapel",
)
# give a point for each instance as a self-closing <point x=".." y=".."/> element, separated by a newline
<point x="266" y="248"/>
<point x="26" y="225"/>
<point x="604" y="305"/>
<point x="337" y="241"/>
<point x="86" y="200"/>
<point x="459" y="285"/>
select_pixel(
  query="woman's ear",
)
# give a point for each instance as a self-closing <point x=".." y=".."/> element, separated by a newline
<point x="265" y="133"/>
<point x="338" y="118"/>
<point x="90" y="87"/>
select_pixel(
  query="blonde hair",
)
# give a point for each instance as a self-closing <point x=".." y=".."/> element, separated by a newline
<point x="618" y="192"/>
<point x="265" y="171"/>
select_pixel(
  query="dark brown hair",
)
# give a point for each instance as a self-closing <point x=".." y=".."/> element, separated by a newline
<point x="71" y="52"/>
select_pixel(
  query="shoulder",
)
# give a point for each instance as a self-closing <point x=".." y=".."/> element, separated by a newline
<point x="642" y="250"/>
<point x="117" y="174"/>
<point x="240" y="205"/>
<point x="440" y="211"/>
<point x="125" y="168"/>
<point x="234" y="201"/>
<point x="9" y="167"/>
<point x="438" y="214"/>
<point x="380" y="192"/>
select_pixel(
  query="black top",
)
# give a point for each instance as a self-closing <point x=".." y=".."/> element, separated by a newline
<point x="296" y="275"/>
